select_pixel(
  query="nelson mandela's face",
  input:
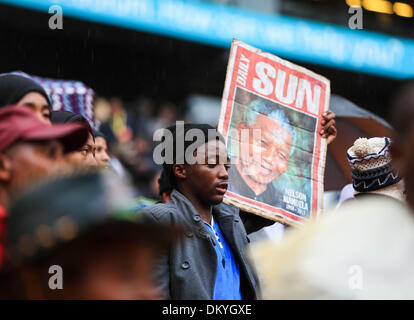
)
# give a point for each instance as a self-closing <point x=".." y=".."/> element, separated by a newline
<point x="266" y="156"/>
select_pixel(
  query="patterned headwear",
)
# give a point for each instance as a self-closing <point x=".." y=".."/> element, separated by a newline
<point x="371" y="165"/>
<point x="67" y="95"/>
<point x="14" y="87"/>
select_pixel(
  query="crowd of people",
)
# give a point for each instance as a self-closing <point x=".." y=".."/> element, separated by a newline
<point x="88" y="199"/>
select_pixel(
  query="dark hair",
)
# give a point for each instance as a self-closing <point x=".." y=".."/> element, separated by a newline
<point x="181" y="134"/>
<point x="62" y="116"/>
<point x="164" y="183"/>
<point x="98" y="133"/>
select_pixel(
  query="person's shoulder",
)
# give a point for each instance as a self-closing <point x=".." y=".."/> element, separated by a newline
<point x="378" y="213"/>
<point x="226" y="208"/>
<point x="160" y="211"/>
<point x="375" y="204"/>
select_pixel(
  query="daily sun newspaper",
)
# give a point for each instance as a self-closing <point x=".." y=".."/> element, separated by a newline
<point x="271" y="118"/>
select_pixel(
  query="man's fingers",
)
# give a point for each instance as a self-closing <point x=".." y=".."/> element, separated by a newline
<point x="330" y="123"/>
<point x="332" y="135"/>
<point x="331" y="138"/>
<point x="332" y="130"/>
<point x="329" y="115"/>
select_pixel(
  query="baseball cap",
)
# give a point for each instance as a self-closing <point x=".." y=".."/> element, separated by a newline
<point x="18" y="123"/>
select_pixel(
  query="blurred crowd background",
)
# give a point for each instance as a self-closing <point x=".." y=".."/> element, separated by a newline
<point x="152" y="62"/>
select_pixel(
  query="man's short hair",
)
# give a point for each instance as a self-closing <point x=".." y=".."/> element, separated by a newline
<point x="277" y="115"/>
<point x="209" y="133"/>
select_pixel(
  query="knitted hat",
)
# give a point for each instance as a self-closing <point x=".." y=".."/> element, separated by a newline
<point x="371" y="165"/>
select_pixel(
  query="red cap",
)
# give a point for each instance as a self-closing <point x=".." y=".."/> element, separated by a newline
<point x="18" y="123"/>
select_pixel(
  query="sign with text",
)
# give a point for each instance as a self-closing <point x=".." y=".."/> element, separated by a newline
<point x="271" y="116"/>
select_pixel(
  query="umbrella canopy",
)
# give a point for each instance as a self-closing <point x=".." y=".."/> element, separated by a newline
<point x="352" y="123"/>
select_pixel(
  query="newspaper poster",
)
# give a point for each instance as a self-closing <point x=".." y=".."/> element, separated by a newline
<point x="270" y="116"/>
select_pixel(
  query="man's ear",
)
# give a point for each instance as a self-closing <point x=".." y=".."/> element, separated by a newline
<point x="180" y="171"/>
<point x="5" y="168"/>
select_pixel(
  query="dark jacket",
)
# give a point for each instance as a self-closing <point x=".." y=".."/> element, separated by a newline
<point x="187" y="271"/>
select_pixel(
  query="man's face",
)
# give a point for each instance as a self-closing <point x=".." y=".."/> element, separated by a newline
<point x="101" y="153"/>
<point x="265" y="156"/>
<point x="85" y="156"/>
<point x="208" y="178"/>
<point x="38" y="104"/>
<point x="29" y="161"/>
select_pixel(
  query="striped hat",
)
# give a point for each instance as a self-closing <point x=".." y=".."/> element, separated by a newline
<point x="371" y="165"/>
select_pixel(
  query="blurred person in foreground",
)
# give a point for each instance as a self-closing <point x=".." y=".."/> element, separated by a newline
<point x="30" y="149"/>
<point x="22" y="91"/>
<point x="104" y="250"/>
<point x="85" y="155"/>
<point x="209" y="262"/>
<point x="365" y="249"/>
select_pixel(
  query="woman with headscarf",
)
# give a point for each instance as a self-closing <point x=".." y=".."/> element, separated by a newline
<point x="20" y="90"/>
<point x="85" y="156"/>
<point x="101" y="154"/>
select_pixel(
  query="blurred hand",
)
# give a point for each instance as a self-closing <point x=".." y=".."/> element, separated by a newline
<point x="328" y="126"/>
